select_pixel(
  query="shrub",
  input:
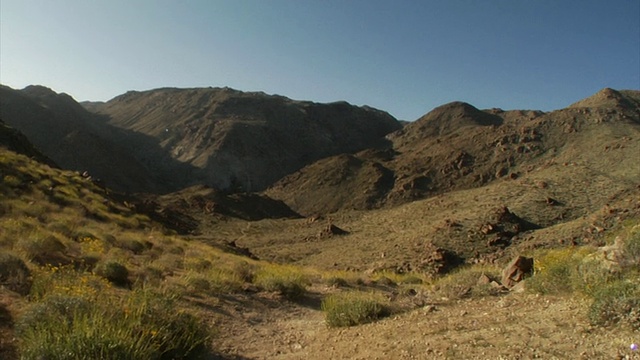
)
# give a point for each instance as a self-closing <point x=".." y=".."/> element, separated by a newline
<point x="632" y="248"/>
<point x="463" y="282"/>
<point x="14" y="274"/>
<point x="113" y="271"/>
<point x="288" y="281"/>
<point x="337" y="282"/>
<point x="353" y="308"/>
<point x="224" y="281"/>
<point x="65" y="280"/>
<point x="141" y="326"/>
<point x="617" y="303"/>
<point x="133" y="245"/>
<point x="41" y="248"/>
<point x="557" y="272"/>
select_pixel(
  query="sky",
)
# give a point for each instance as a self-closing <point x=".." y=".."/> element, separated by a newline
<point x="403" y="56"/>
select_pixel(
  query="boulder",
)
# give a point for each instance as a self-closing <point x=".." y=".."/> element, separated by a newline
<point x="516" y="271"/>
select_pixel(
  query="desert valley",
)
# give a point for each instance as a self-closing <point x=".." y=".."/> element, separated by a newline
<point x="220" y="224"/>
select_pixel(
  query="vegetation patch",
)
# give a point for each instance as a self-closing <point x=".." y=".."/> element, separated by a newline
<point x="353" y="308"/>
<point x="617" y="304"/>
<point x="14" y="274"/>
<point x="467" y="282"/>
<point x="143" y="325"/>
<point x="113" y="271"/>
<point x="289" y="281"/>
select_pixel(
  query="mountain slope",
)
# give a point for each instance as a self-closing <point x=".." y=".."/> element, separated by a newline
<point x="457" y="146"/>
<point x="243" y="141"/>
<point x="74" y="138"/>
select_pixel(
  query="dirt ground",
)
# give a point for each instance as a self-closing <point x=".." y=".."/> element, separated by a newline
<point x="514" y="326"/>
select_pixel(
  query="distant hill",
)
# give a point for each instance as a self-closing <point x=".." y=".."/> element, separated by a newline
<point x="167" y="139"/>
<point x="457" y="146"/>
<point x="13" y="140"/>
<point x="242" y="141"/>
<point x="74" y="138"/>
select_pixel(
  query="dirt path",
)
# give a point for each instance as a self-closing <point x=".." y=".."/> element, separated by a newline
<point x="516" y="326"/>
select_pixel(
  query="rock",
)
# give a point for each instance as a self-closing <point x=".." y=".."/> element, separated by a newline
<point x="609" y="258"/>
<point x="331" y="230"/>
<point x="516" y="271"/>
<point x="518" y="287"/>
<point x="484" y="280"/>
<point x="438" y="260"/>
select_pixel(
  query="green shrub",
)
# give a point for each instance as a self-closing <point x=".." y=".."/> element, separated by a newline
<point x="288" y="281"/>
<point x="617" y="303"/>
<point x="114" y="272"/>
<point x="224" y="280"/>
<point x="141" y="326"/>
<point x="41" y="248"/>
<point x="558" y="271"/>
<point x="133" y="245"/>
<point x="14" y="274"/>
<point x="631" y="249"/>
<point x="353" y="308"/>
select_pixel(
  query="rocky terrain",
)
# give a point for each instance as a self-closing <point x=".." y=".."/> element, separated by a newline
<point x="209" y="189"/>
<point x="242" y="141"/>
<point x="457" y="146"/>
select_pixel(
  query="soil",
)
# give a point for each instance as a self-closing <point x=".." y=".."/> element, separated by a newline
<point x="513" y="326"/>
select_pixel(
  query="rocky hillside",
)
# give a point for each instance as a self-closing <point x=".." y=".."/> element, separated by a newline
<point x="242" y="141"/>
<point x="457" y="146"/>
<point x="167" y="139"/>
<point x="74" y="138"/>
<point x="13" y="140"/>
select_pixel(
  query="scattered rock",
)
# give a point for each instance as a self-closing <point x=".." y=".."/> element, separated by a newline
<point x="438" y="260"/>
<point x="516" y="271"/>
<point x="331" y="230"/>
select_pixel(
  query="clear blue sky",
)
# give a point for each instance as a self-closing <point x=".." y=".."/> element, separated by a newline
<point x="403" y="56"/>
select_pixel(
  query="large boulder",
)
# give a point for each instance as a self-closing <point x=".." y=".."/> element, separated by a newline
<point x="518" y="269"/>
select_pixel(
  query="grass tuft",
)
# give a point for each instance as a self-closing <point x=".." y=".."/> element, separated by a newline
<point x="353" y="308"/>
<point x="289" y="281"/>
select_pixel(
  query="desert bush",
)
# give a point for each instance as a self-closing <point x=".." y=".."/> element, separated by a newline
<point x="246" y="271"/>
<point x="11" y="181"/>
<point x="558" y="271"/>
<point x="41" y="248"/>
<point x="60" y="228"/>
<point x="113" y="271"/>
<point x="464" y="282"/>
<point x="66" y="281"/>
<point x="14" y="274"/>
<point x="337" y="282"/>
<point x="631" y="249"/>
<point x="131" y="244"/>
<point x="198" y="284"/>
<point x="617" y="303"/>
<point x="141" y="326"/>
<point x="224" y="280"/>
<point x="197" y="264"/>
<point x="286" y="280"/>
<point x="353" y="308"/>
<point x="149" y="276"/>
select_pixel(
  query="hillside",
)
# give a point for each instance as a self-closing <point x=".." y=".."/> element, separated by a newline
<point x="242" y="141"/>
<point x="95" y="273"/>
<point x="457" y="146"/>
<point x="74" y="138"/>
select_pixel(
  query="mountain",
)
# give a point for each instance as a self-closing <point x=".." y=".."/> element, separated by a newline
<point x="74" y="138"/>
<point x="457" y="146"/>
<point x="242" y="141"/>
<point x="168" y="139"/>
<point x="13" y="140"/>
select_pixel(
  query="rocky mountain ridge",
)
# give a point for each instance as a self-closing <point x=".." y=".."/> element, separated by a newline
<point x="457" y="146"/>
<point x="167" y="139"/>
